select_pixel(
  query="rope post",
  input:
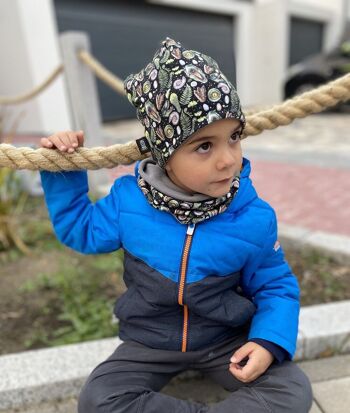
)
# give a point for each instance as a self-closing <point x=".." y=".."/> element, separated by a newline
<point x="83" y="96"/>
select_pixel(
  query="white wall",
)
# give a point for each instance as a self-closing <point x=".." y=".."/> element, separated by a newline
<point x="29" y="52"/>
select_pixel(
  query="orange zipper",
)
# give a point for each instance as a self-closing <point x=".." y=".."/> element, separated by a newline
<point x="183" y="271"/>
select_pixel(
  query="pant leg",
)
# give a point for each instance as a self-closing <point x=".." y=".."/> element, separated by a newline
<point x="283" y="388"/>
<point x="130" y="379"/>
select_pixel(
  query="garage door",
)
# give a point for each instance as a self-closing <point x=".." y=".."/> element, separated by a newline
<point x="125" y="34"/>
<point x="306" y="38"/>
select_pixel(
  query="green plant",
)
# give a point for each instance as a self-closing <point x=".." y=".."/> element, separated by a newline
<point x="79" y="304"/>
<point x="12" y="200"/>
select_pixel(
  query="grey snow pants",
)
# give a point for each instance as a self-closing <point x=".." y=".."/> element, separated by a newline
<point x="129" y="381"/>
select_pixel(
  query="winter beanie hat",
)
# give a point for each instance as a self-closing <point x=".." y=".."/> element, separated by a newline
<point x="177" y="93"/>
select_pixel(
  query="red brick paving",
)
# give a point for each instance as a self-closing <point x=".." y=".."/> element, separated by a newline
<point x="307" y="196"/>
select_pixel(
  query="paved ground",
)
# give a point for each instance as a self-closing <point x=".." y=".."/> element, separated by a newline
<point x="307" y="168"/>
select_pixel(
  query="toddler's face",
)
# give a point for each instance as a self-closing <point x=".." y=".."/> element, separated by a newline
<point x="209" y="159"/>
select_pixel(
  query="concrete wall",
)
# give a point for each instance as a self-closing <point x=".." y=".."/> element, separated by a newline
<point x="29" y="52"/>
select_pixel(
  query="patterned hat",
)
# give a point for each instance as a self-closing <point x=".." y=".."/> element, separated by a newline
<point x="177" y="93"/>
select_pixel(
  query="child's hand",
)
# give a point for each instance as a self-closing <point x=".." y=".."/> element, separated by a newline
<point x="66" y="141"/>
<point x="259" y="359"/>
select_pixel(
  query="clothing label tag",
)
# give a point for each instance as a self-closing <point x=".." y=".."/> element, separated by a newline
<point x="277" y="246"/>
<point x="143" y="145"/>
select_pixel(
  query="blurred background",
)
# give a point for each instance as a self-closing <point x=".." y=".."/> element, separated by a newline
<point x="263" y="46"/>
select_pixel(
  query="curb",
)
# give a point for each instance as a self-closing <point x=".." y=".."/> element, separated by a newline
<point x="42" y="376"/>
<point x="338" y="246"/>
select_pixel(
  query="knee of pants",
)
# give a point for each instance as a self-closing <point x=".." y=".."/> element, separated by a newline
<point x="90" y="399"/>
<point x="95" y="399"/>
<point x="299" y="392"/>
<point x="305" y="391"/>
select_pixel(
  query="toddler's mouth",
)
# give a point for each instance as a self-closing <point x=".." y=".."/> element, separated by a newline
<point x="223" y="181"/>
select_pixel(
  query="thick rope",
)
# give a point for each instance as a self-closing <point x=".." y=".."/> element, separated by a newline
<point x="308" y="103"/>
<point x="82" y="158"/>
<point x="12" y="100"/>
<point x="102" y="72"/>
<point x="107" y="157"/>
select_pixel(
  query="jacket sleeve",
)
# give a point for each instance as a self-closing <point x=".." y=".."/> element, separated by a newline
<point x="78" y="223"/>
<point x="268" y="280"/>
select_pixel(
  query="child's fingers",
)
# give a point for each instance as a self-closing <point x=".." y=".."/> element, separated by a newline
<point x="58" y="141"/>
<point x="247" y="373"/>
<point x="46" y="143"/>
<point x="241" y="353"/>
<point x="68" y="139"/>
<point x="80" y="138"/>
<point x="65" y="141"/>
<point x="75" y="140"/>
<point x="240" y="374"/>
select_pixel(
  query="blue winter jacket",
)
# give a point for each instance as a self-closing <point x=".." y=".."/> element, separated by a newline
<point x="187" y="287"/>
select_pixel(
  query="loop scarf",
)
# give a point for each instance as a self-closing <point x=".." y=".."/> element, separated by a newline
<point x="185" y="211"/>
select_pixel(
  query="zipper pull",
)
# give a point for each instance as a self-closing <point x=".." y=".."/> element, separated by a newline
<point x="190" y="229"/>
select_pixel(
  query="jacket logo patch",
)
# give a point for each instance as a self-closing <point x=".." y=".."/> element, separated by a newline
<point x="277" y="246"/>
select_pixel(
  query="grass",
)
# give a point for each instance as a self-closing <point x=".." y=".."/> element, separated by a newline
<point x="79" y="300"/>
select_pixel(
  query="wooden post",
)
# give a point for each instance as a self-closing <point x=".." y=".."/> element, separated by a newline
<point x="85" y="108"/>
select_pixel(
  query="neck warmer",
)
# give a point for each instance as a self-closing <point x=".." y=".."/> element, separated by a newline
<point x="187" y="208"/>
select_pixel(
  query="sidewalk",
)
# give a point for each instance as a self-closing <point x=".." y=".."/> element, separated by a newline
<point x="330" y="378"/>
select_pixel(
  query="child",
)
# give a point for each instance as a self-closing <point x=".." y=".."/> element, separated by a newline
<point x="207" y="284"/>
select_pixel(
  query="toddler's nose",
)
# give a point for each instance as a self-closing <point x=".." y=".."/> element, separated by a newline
<point x="226" y="160"/>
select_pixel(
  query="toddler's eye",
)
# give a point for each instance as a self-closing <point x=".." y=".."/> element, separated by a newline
<point x="204" y="148"/>
<point x="236" y="136"/>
